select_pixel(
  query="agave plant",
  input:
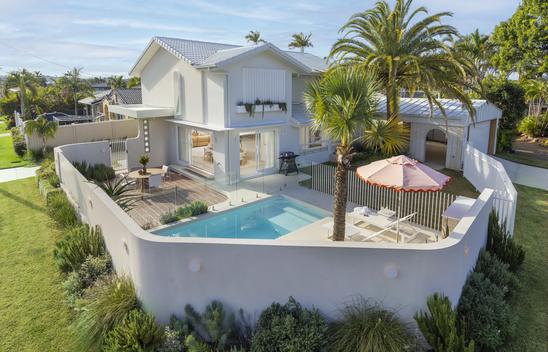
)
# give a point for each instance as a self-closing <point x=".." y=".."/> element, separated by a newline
<point x="119" y="191"/>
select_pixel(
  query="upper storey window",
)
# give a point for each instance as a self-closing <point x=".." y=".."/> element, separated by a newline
<point x="178" y="90"/>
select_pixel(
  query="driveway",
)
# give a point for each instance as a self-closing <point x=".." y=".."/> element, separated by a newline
<point x="17" y="173"/>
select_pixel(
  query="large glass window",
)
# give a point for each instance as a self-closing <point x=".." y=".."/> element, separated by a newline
<point x="257" y="152"/>
<point x="202" y="150"/>
<point x="311" y="138"/>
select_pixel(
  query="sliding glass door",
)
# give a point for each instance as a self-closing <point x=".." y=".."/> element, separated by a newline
<point x="257" y="152"/>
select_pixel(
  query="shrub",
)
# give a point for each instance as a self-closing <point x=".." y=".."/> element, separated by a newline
<point x="46" y="171"/>
<point x="502" y="245"/>
<point x="120" y="192"/>
<point x="367" y="327"/>
<point x="20" y="147"/>
<point x="193" y="209"/>
<point x="214" y="330"/>
<point x="289" y="327"/>
<point x="534" y="126"/>
<point x="497" y="272"/>
<point x="78" y="244"/>
<point x="169" y="217"/>
<point x="440" y="326"/>
<point x="504" y="140"/>
<point x="508" y="96"/>
<point x="486" y="315"/>
<point x="103" y="307"/>
<point x="61" y="210"/>
<point x="138" y="332"/>
<point x="91" y="270"/>
<point x="101" y="173"/>
<point x="173" y="340"/>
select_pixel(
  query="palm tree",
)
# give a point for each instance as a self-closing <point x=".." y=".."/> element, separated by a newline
<point x="73" y="82"/>
<point x="24" y="81"/>
<point x="478" y="48"/>
<point x="43" y="128"/>
<point x="116" y="82"/>
<point x="342" y="104"/>
<point x="536" y="93"/>
<point x="301" y="41"/>
<point x="134" y="82"/>
<point x="407" y="52"/>
<point x="390" y="137"/>
<point x="254" y="37"/>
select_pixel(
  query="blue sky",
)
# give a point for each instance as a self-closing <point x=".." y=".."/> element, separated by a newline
<point x="106" y="37"/>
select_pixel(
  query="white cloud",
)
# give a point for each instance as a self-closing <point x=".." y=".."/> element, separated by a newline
<point x="105" y="22"/>
<point x="252" y="11"/>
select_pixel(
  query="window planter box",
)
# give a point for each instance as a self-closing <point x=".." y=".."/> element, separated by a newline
<point x="259" y="109"/>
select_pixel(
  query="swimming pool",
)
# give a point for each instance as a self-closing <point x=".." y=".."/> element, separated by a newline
<point x="264" y="219"/>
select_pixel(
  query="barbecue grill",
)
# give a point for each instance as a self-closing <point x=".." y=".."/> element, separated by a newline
<point x="288" y="163"/>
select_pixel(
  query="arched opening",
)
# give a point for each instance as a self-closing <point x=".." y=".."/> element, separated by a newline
<point x="436" y="148"/>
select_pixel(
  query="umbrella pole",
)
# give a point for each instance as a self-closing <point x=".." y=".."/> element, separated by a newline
<point x="399" y="217"/>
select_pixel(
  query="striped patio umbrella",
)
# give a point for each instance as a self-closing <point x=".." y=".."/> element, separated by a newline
<point x="402" y="174"/>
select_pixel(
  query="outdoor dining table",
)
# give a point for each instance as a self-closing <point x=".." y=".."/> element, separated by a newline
<point x="140" y="177"/>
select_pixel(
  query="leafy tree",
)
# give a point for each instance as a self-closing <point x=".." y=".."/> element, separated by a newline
<point x="73" y="83"/>
<point x="43" y="128"/>
<point x="254" y="37"/>
<point x="342" y="103"/>
<point x="408" y="52"/>
<point x="134" y="82"/>
<point x="301" y="41"/>
<point x="116" y="82"/>
<point x="522" y="41"/>
<point x="25" y="82"/>
<point x="508" y="96"/>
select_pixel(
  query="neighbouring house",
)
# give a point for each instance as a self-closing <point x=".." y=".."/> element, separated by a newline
<point x="97" y="106"/>
<point x="440" y="140"/>
<point x="224" y="111"/>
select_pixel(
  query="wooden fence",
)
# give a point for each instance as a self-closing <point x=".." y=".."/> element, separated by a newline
<point x="428" y="205"/>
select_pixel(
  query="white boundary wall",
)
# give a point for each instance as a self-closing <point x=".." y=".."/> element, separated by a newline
<point x="526" y="175"/>
<point x="250" y="274"/>
<point x="87" y="132"/>
<point x="484" y="171"/>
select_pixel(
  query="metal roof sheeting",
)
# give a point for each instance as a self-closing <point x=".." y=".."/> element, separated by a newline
<point x="454" y="109"/>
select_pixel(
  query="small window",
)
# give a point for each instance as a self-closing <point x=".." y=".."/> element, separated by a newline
<point x="312" y="138"/>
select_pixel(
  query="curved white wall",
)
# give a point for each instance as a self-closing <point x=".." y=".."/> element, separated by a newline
<point x="251" y="274"/>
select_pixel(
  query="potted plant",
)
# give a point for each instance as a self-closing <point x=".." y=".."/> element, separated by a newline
<point x="143" y="160"/>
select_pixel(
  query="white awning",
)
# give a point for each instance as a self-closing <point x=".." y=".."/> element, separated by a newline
<point x="141" y="111"/>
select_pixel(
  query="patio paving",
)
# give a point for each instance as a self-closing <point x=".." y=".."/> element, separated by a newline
<point x="175" y="192"/>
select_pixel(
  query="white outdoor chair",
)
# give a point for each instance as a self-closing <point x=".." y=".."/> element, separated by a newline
<point x="154" y="181"/>
<point x="165" y="172"/>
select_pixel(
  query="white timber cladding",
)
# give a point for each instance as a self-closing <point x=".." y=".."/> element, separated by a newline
<point x="263" y="84"/>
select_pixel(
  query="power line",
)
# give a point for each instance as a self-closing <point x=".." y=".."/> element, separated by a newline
<point x="41" y="58"/>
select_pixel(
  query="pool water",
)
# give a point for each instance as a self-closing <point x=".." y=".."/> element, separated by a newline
<point x="265" y="219"/>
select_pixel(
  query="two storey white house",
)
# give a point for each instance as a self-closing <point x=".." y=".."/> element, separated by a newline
<point x="223" y="111"/>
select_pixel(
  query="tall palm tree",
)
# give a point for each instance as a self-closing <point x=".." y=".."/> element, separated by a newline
<point x="479" y="48"/>
<point x="407" y="52"/>
<point x="43" y="128"/>
<point x="342" y="104"/>
<point x="134" y="82"/>
<point x="254" y="37"/>
<point x="116" y="82"/>
<point x="301" y="41"/>
<point x="25" y="82"/>
<point x="79" y="88"/>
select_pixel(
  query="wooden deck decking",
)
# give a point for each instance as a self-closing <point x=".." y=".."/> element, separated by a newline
<point x="174" y="192"/>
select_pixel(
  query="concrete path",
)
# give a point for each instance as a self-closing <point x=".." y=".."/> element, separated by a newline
<point x="17" y="173"/>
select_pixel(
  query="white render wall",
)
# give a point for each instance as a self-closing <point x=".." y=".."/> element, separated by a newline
<point x="86" y="132"/>
<point x="525" y="174"/>
<point x="454" y="133"/>
<point x="250" y="274"/>
<point x="478" y="136"/>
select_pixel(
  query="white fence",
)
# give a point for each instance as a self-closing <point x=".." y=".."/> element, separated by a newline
<point x="428" y="205"/>
<point x="484" y="171"/>
<point x="170" y="272"/>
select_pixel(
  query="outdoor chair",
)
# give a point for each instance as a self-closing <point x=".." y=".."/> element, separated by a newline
<point x="154" y="181"/>
<point x="165" y="172"/>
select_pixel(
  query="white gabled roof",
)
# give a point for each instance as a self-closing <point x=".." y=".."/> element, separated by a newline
<point x="208" y="54"/>
<point x="454" y="109"/>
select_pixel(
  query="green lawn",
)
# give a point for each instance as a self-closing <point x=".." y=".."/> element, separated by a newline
<point x="33" y="315"/>
<point x="523" y="158"/>
<point x="531" y="301"/>
<point x="8" y="158"/>
<point x="3" y="127"/>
